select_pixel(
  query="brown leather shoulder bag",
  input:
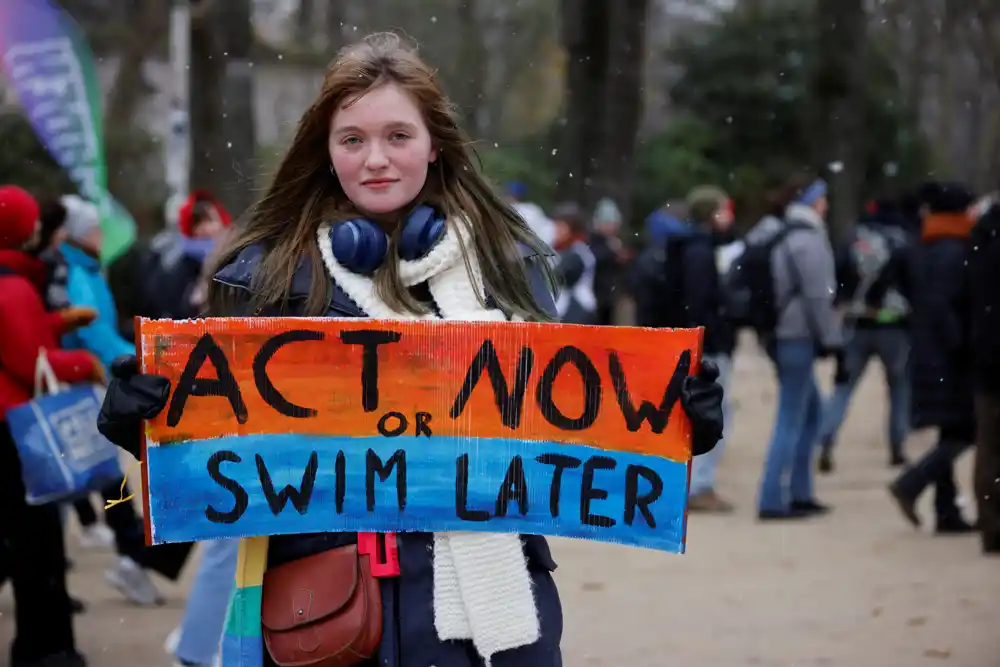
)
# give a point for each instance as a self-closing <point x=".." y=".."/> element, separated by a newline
<point x="324" y="610"/>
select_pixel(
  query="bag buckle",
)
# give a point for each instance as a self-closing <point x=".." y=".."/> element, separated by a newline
<point x="368" y="543"/>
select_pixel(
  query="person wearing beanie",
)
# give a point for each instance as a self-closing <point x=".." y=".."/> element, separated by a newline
<point x="87" y="287"/>
<point x="174" y="287"/>
<point x="807" y="327"/>
<point x="689" y="294"/>
<point x="574" y="269"/>
<point x="33" y="534"/>
<point x="942" y="370"/>
<point x="611" y="256"/>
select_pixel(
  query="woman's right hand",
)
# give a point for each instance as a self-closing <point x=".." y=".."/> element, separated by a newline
<point x="131" y="397"/>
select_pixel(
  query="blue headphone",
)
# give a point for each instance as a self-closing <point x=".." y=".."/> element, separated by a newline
<point x="360" y="245"/>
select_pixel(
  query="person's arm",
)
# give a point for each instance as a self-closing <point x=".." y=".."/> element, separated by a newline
<point x="100" y="337"/>
<point x="540" y="288"/>
<point x="24" y="333"/>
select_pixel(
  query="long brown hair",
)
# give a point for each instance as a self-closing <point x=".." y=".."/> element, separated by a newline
<point x="304" y="194"/>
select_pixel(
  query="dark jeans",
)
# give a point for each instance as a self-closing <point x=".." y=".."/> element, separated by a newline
<point x="938" y="467"/>
<point x="892" y="347"/>
<point x="85" y="511"/>
<point x="988" y="465"/>
<point x="35" y="561"/>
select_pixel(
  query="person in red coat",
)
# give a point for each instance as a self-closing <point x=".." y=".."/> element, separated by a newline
<point x="36" y="562"/>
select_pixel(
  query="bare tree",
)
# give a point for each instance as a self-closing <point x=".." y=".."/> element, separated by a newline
<point x="604" y="42"/>
<point x="839" y="94"/>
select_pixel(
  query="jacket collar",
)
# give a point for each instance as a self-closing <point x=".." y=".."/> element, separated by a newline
<point x="77" y="257"/>
<point x="806" y="214"/>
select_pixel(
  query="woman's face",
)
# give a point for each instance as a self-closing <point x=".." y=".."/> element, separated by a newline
<point x="822" y="207"/>
<point x="381" y="149"/>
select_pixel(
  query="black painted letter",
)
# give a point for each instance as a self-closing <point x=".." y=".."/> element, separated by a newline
<point x="509" y="402"/>
<point x="514" y="487"/>
<point x="190" y="384"/>
<point x="369" y="340"/>
<point x="632" y="497"/>
<point x="462" y="493"/>
<point x="588" y="492"/>
<point x="241" y="500"/>
<point x="300" y="497"/>
<point x="340" y="474"/>
<point x="265" y="387"/>
<point x="374" y="465"/>
<point x="591" y="390"/>
<point x="658" y="417"/>
<point x="398" y="429"/>
<point x="423" y="425"/>
<point x="561" y="462"/>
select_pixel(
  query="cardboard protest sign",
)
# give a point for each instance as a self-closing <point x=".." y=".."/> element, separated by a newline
<point x="292" y="425"/>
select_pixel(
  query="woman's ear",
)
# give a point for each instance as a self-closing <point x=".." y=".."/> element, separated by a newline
<point x="434" y="156"/>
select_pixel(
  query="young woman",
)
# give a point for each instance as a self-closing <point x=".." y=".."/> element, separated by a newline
<point x="377" y="210"/>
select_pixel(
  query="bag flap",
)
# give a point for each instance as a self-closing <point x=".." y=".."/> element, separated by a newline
<point x="309" y="589"/>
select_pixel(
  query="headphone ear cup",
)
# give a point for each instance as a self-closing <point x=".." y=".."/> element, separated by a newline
<point x="423" y="229"/>
<point x="359" y="245"/>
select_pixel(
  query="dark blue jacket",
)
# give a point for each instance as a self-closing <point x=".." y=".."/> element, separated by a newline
<point x="409" y="638"/>
<point x="677" y="283"/>
<point x="942" y="356"/>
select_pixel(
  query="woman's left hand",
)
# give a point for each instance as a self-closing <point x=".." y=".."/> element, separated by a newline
<point x="701" y="400"/>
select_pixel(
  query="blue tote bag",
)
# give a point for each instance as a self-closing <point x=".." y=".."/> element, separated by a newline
<point x="63" y="455"/>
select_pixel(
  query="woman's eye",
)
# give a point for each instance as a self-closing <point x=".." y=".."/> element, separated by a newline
<point x="350" y="141"/>
<point x="399" y="136"/>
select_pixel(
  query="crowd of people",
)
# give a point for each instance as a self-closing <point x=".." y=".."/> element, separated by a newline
<point x="915" y="284"/>
<point x="377" y="177"/>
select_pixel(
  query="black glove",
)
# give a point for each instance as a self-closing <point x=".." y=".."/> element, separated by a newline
<point x="701" y="400"/>
<point x="840" y="374"/>
<point x="131" y="397"/>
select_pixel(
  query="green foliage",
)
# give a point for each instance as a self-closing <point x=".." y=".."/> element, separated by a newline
<point x="671" y="163"/>
<point x="746" y="89"/>
<point x="25" y="162"/>
<point x="527" y="162"/>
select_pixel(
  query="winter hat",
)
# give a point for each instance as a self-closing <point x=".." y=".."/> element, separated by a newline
<point x="18" y="217"/>
<point x="812" y="194"/>
<point x="188" y="216"/>
<point x="82" y="217"/>
<point x="607" y="213"/>
<point x="517" y="189"/>
<point x="703" y="202"/>
<point x="945" y="197"/>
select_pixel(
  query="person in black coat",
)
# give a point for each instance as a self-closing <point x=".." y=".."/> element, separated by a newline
<point x="984" y="268"/>
<point x="942" y="390"/>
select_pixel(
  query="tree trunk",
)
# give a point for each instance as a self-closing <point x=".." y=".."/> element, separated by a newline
<point x="584" y="37"/>
<point x="304" y="18"/>
<point x="207" y="74"/>
<point x="840" y="106"/>
<point x="130" y="87"/>
<point x="238" y="131"/>
<point x="622" y="104"/>
<point x="472" y="66"/>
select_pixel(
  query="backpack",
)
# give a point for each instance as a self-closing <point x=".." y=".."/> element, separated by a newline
<point x="747" y="287"/>
<point x="870" y="253"/>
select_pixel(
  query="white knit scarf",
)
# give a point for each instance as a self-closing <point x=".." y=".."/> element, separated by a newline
<point x="482" y="589"/>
